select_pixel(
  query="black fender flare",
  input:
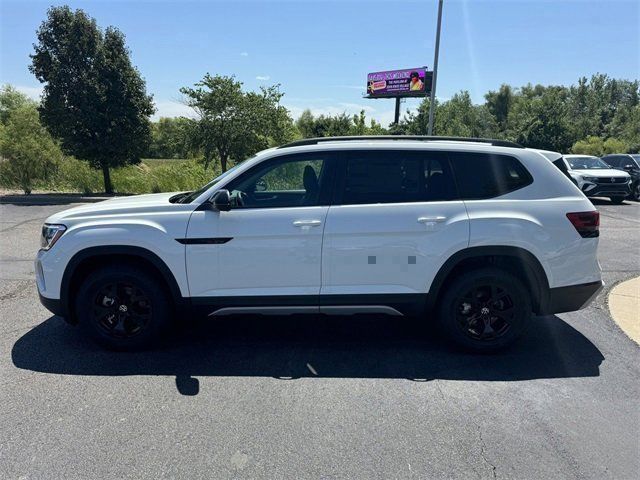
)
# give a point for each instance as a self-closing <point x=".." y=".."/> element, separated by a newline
<point x="536" y="276"/>
<point x="110" y="250"/>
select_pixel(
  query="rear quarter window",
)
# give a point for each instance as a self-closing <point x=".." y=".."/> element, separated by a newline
<point x="483" y="175"/>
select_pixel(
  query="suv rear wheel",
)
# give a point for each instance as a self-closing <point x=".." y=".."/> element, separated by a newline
<point x="485" y="310"/>
<point x="122" y="307"/>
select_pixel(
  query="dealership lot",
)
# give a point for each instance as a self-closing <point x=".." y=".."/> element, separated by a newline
<point x="317" y="398"/>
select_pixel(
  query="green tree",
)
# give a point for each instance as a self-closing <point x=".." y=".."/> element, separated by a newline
<point x="94" y="99"/>
<point x="539" y="118"/>
<point x="233" y="124"/>
<point x="591" y="145"/>
<point x="169" y="138"/>
<point x="499" y="105"/>
<point x="29" y="151"/>
<point x="11" y="100"/>
<point x="614" y="145"/>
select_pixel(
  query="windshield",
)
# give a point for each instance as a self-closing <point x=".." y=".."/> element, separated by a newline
<point x="191" y="196"/>
<point x="637" y="159"/>
<point x="586" y="163"/>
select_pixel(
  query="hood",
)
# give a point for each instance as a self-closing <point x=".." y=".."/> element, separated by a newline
<point x="151" y="203"/>
<point x="599" y="172"/>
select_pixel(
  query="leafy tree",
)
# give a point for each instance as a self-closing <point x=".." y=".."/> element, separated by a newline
<point x="614" y="145"/>
<point x="591" y="145"/>
<point x="30" y="152"/>
<point x="10" y="101"/>
<point x="94" y="99"/>
<point x="539" y="119"/>
<point x="499" y="105"/>
<point x="341" y="124"/>
<point x="169" y="138"/>
<point x="233" y="124"/>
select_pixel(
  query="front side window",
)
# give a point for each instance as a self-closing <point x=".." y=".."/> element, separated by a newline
<point x="482" y="175"/>
<point x="288" y="181"/>
<point x="394" y="176"/>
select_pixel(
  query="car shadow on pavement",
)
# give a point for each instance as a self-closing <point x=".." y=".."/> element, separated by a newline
<point x="306" y="347"/>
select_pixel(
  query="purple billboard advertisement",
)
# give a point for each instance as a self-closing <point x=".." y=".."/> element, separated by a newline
<point x="411" y="82"/>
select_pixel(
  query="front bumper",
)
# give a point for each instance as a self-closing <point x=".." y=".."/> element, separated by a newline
<point x="572" y="298"/>
<point x="606" y="190"/>
<point x="54" y="305"/>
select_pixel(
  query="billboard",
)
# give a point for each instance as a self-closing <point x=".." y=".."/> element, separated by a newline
<point x="411" y="82"/>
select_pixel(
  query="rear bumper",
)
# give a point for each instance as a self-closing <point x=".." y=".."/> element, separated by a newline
<point x="571" y="298"/>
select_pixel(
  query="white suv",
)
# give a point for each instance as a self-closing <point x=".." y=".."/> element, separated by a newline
<point x="481" y="233"/>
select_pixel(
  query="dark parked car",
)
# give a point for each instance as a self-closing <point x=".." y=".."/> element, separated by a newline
<point x="629" y="163"/>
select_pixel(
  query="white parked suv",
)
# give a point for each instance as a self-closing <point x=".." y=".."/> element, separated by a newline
<point x="598" y="179"/>
<point x="478" y="234"/>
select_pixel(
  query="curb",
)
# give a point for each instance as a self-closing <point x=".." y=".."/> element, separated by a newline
<point x="624" y="307"/>
<point x="51" y="199"/>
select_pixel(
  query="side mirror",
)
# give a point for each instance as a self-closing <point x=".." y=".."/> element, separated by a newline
<point x="628" y="167"/>
<point x="221" y="200"/>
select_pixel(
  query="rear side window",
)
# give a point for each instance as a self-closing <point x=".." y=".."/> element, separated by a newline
<point x="394" y="176"/>
<point x="481" y="175"/>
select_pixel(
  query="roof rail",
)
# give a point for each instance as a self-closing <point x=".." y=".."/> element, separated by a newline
<point x="412" y="138"/>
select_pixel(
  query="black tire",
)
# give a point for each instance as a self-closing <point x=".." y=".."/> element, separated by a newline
<point x="123" y="307"/>
<point x="635" y="192"/>
<point x="616" y="200"/>
<point x="472" y="318"/>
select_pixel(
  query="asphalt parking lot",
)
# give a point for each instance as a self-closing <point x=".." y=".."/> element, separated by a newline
<point x="317" y="397"/>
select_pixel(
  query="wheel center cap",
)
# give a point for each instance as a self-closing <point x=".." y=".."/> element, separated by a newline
<point x="123" y="308"/>
<point x="484" y="311"/>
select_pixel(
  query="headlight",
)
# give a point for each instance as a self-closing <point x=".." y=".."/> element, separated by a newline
<point x="589" y="179"/>
<point x="50" y="235"/>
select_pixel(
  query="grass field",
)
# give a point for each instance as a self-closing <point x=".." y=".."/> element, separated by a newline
<point x="150" y="176"/>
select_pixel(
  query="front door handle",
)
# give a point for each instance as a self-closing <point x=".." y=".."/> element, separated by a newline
<point x="437" y="219"/>
<point x="307" y="223"/>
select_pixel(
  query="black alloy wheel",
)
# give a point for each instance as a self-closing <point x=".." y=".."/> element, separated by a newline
<point x="485" y="310"/>
<point x="123" y="307"/>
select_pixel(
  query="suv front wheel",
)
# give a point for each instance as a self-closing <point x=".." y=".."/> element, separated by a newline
<point x="122" y="307"/>
<point x="485" y="310"/>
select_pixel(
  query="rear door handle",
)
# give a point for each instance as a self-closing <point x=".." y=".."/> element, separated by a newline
<point x="437" y="219"/>
<point x="307" y="223"/>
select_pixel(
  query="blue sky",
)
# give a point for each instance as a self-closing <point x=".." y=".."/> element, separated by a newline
<point x="320" y="52"/>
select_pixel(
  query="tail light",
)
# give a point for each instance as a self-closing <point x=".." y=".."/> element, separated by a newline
<point x="586" y="223"/>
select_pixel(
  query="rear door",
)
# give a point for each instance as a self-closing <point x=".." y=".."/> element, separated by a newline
<point x="395" y="219"/>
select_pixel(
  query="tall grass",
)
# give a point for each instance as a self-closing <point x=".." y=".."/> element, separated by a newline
<point x="150" y="176"/>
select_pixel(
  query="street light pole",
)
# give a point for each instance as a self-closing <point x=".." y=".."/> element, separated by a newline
<point x="435" y="71"/>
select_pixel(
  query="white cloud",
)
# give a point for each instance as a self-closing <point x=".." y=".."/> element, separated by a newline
<point x="263" y="77"/>
<point x="31" y="92"/>
<point x="172" y="108"/>
<point x="244" y="54"/>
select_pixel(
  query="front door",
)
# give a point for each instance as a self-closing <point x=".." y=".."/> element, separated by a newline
<point x="268" y="246"/>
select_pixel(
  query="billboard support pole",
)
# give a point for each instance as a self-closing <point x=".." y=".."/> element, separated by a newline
<point x="397" y="114"/>
<point x="432" y="100"/>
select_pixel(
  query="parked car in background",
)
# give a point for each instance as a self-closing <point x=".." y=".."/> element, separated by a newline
<point x="597" y="179"/>
<point x="629" y="163"/>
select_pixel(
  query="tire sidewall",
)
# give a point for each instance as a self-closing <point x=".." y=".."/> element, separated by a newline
<point x="153" y="290"/>
<point x="466" y="282"/>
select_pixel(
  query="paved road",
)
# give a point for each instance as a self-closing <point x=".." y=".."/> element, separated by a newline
<point x="316" y="398"/>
